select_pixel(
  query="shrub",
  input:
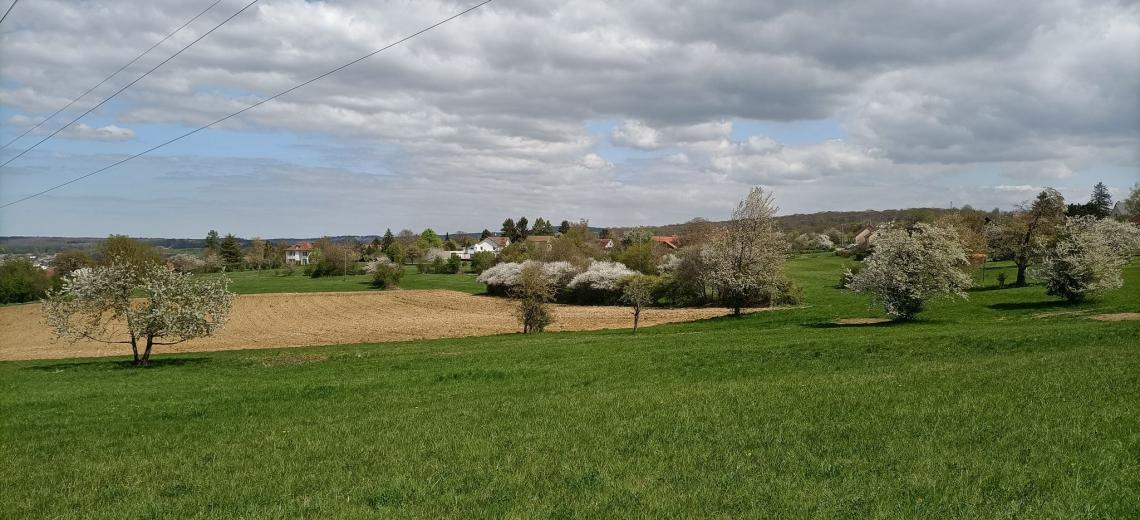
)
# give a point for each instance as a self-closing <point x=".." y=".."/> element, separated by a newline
<point x="640" y="257"/>
<point x="1087" y="257"/>
<point x="188" y="263"/>
<point x="500" y="277"/>
<point x="385" y="274"/>
<point x="482" y="261"/>
<point x="533" y="289"/>
<point x="598" y="284"/>
<point x="21" y="281"/>
<point x="453" y="265"/>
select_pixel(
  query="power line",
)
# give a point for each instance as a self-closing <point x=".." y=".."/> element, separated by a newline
<point x="255" y="105"/>
<point x="128" y="85"/>
<point x="113" y="74"/>
<point x="5" y="17"/>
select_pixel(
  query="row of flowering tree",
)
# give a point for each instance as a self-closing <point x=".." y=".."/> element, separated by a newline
<point x="1073" y="256"/>
<point x="740" y="264"/>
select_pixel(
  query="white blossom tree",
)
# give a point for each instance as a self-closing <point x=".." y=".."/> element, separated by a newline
<point x="1087" y="256"/>
<point x="602" y="276"/>
<point x="746" y="257"/>
<point x="910" y="266"/>
<point x="637" y="292"/>
<point x="98" y="304"/>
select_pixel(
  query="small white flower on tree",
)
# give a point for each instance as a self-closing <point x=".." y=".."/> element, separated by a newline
<point x="1087" y="256"/>
<point x="97" y="304"/>
<point x="501" y="275"/>
<point x="910" y="266"/>
<point x="601" y="275"/>
<point x="746" y="257"/>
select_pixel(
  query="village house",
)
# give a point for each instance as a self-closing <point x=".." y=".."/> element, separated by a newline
<point x="866" y="237"/>
<point x="493" y="245"/>
<point x="605" y="243"/>
<point x="669" y="243"/>
<point x="298" y="253"/>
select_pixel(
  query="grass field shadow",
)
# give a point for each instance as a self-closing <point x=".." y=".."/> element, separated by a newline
<point x="834" y="325"/>
<point x="1033" y="306"/>
<point x="119" y="364"/>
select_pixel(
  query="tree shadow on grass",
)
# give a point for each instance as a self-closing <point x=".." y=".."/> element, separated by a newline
<point x="119" y="364"/>
<point x="834" y="325"/>
<point x="1032" y="306"/>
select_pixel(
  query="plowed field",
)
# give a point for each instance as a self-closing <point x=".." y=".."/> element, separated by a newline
<point x="304" y="319"/>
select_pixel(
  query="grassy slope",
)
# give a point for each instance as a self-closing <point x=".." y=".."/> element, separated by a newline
<point x="980" y="410"/>
<point x="257" y="282"/>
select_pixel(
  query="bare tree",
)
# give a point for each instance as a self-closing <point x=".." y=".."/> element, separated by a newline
<point x="96" y="303"/>
<point x="746" y="257"/>
<point x="1023" y="237"/>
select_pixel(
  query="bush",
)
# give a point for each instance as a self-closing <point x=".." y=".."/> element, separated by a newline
<point x="454" y="264"/>
<point x="533" y="289"/>
<point x="1087" y="257"/>
<point x="599" y="284"/>
<point x="482" y="261"/>
<point x="21" y="281"/>
<point x="782" y="292"/>
<point x="640" y="257"/>
<point x="386" y="275"/>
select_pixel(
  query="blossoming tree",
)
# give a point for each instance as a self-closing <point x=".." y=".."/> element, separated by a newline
<point x="910" y="266"/>
<point x="746" y="257"/>
<point x="154" y="305"/>
<point x="1087" y="256"/>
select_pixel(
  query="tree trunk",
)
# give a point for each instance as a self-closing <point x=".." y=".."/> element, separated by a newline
<point x="636" y="317"/>
<point x="134" y="350"/>
<point x="146" y="354"/>
<point x="1021" y="274"/>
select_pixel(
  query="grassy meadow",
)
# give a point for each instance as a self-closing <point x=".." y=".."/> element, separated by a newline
<point x="270" y="281"/>
<point x="1008" y="405"/>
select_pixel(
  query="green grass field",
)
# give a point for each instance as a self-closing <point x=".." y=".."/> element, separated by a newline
<point x="268" y="281"/>
<point x="1009" y="405"/>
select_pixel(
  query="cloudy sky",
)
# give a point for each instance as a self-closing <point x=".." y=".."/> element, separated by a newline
<point x="635" y="112"/>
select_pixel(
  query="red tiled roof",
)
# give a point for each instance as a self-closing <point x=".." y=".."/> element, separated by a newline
<point x="539" y="238"/>
<point x="605" y="242"/>
<point x="501" y="241"/>
<point x="670" y="242"/>
<point x="300" y="246"/>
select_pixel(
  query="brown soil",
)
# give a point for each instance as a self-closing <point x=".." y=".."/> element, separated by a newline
<point x="860" y="321"/>
<point x="307" y="319"/>
<point x="1121" y="316"/>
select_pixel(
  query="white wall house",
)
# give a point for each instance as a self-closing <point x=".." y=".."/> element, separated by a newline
<point x="298" y="253"/>
<point x="491" y="244"/>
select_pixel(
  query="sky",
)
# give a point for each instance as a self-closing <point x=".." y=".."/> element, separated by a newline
<point x="638" y="112"/>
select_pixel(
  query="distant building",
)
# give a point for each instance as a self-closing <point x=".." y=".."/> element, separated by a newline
<point x="670" y="243"/>
<point x="298" y="253"/>
<point x="1118" y="209"/>
<point x="490" y="244"/>
<point x="605" y="243"/>
<point x="866" y="237"/>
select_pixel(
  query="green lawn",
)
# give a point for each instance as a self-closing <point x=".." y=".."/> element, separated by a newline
<point x="269" y="281"/>
<point x="981" y="409"/>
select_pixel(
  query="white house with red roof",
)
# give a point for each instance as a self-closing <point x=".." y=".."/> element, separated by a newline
<point x="298" y="253"/>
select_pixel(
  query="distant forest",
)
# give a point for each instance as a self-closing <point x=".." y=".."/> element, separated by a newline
<point x="846" y="221"/>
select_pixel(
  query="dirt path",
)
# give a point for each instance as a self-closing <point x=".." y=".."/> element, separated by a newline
<point x="305" y="319"/>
